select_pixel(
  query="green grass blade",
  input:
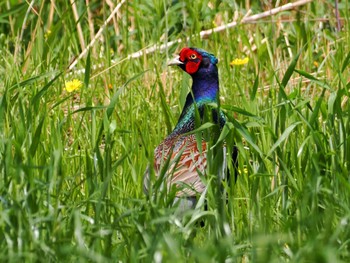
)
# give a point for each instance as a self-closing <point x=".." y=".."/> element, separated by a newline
<point x="87" y="70"/>
<point x="41" y="92"/>
<point x="290" y="70"/>
<point x="36" y="137"/>
<point x="283" y="137"/>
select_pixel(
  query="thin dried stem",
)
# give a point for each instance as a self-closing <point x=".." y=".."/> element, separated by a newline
<point x="250" y="19"/>
<point x="24" y="25"/>
<point x="38" y="25"/>
<point x="51" y="14"/>
<point x="337" y="15"/>
<point x="115" y="24"/>
<point x="91" y="23"/>
<point x="79" y="30"/>
<point x="82" y="54"/>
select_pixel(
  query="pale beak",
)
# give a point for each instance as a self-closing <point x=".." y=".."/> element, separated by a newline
<point x="175" y="61"/>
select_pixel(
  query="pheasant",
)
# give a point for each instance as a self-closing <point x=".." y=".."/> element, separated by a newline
<point x="180" y="152"/>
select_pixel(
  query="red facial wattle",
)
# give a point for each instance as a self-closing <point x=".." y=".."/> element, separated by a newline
<point x="192" y="67"/>
<point x="191" y="59"/>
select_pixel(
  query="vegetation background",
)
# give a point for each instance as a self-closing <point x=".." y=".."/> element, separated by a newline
<point x="71" y="163"/>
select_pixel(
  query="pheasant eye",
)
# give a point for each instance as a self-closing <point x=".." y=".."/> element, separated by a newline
<point x="193" y="56"/>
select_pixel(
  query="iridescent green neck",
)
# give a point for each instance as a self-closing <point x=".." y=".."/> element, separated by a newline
<point x="205" y="90"/>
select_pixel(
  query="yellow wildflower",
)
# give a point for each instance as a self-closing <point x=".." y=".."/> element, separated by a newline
<point x="47" y="34"/>
<point x="245" y="170"/>
<point x="238" y="61"/>
<point x="316" y="64"/>
<point x="73" y="85"/>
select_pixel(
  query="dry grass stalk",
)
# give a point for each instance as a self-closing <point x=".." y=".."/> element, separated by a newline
<point x="91" y="23"/>
<point x="99" y="33"/>
<point x="24" y="25"/>
<point x="79" y="30"/>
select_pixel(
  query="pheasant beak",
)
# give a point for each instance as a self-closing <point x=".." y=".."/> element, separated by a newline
<point x="175" y="61"/>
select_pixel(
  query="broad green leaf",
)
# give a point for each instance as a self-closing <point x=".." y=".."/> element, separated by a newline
<point x="44" y="89"/>
<point x="313" y="79"/>
<point x="87" y="70"/>
<point x="246" y="136"/>
<point x="283" y="137"/>
<point x="290" y="70"/>
<point x="255" y="87"/>
<point x="36" y="137"/>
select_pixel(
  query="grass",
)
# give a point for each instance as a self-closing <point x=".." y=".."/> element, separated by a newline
<point x="71" y="164"/>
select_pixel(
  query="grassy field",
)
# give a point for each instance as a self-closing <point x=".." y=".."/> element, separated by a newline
<point x="71" y="163"/>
